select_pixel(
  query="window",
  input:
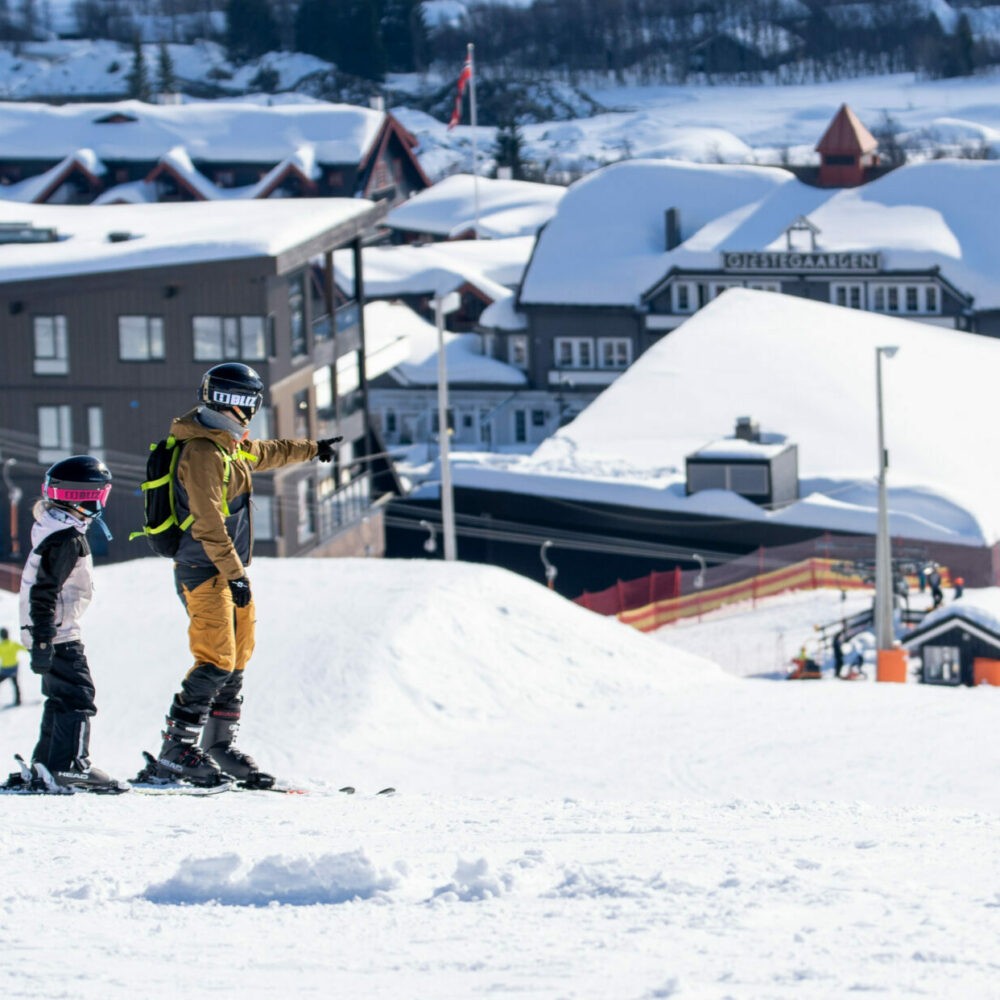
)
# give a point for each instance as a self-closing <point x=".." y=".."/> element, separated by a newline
<point x="260" y="425"/>
<point x="390" y="421"/>
<point x="51" y="345"/>
<point x="912" y="299"/>
<point x="846" y="295"/>
<point x="229" y="338"/>
<point x="718" y="287"/>
<point x="517" y="350"/>
<point x="140" y="338"/>
<point x="941" y="664"/>
<point x="614" y="352"/>
<point x="931" y="299"/>
<point x="537" y="418"/>
<point x="323" y="387"/>
<point x="886" y="298"/>
<point x="685" y="297"/>
<point x="95" y="431"/>
<point x="574" y="352"/>
<point x="55" y="433"/>
<point x="306" y="495"/>
<point x="263" y="522"/>
<point x="764" y="286"/>
<point x="520" y="426"/>
<point x="296" y="315"/>
<point x="300" y="414"/>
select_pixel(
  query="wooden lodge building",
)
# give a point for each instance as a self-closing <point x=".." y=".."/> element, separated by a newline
<point x="132" y="152"/>
<point x="572" y="339"/>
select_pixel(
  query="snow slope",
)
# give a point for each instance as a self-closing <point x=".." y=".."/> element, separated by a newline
<point x="584" y="812"/>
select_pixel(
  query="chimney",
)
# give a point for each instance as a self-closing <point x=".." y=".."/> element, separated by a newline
<point x="747" y="430"/>
<point x="673" y="228"/>
<point x="376" y="102"/>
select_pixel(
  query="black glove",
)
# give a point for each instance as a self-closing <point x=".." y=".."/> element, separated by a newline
<point x="240" y="590"/>
<point x="324" y="448"/>
<point x="42" y="652"/>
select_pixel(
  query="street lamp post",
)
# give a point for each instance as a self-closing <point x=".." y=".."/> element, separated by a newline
<point x="444" y="304"/>
<point x="891" y="660"/>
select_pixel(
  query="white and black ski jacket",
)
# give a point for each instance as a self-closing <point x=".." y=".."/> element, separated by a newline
<point x="57" y="582"/>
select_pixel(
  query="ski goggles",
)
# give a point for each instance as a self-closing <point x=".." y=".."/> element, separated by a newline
<point x="77" y="494"/>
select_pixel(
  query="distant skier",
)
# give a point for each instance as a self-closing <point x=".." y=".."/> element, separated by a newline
<point x="56" y="589"/>
<point x="934" y="582"/>
<point x="213" y="484"/>
<point x="959" y="584"/>
<point x="838" y="654"/>
<point x="8" y="662"/>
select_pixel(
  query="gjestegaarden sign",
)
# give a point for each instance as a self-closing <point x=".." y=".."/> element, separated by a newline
<point x="740" y="260"/>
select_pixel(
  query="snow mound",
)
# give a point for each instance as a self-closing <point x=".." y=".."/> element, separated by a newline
<point x="357" y="656"/>
<point x="232" y="881"/>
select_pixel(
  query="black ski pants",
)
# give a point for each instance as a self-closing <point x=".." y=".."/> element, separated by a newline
<point x="64" y="735"/>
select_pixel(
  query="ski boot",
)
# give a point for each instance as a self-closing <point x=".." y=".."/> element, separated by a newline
<point x="82" y="776"/>
<point x="181" y="759"/>
<point x="217" y="740"/>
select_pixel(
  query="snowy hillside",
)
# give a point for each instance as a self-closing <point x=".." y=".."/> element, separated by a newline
<point x="583" y="811"/>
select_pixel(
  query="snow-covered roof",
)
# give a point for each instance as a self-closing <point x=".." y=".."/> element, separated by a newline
<point x="161" y="234"/>
<point x="606" y="242"/>
<point x="492" y="266"/>
<point x="740" y="450"/>
<point x="34" y="187"/>
<point x="805" y="370"/>
<point x="506" y="207"/>
<point x="503" y="314"/>
<point x="217" y="131"/>
<point x="393" y="323"/>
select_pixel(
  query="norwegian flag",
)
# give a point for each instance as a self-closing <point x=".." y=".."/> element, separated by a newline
<point x="464" y="77"/>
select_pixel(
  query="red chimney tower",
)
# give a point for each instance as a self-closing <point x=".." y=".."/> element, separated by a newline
<point x="846" y="151"/>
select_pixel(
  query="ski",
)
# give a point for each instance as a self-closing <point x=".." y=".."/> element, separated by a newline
<point x="177" y="788"/>
<point x="37" y="779"/>
<point x="351" y="790"/>
<point x="147" y="782"/>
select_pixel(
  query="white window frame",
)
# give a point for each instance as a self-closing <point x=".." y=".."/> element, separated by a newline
<point x="621" y="350"/>
<point x="846" y="290"/>
<point x="580" y="350"/>
<point x="889" y="297"/>
<point x="55" y="432"/>
<point x="234" y="338"/>
<point x="517" y="350"/>
<point x="51" y="345"/>
<point x="932" y="300"/>
<point x="691" y="290"/>
<point x="95" y="431"/>
<point x="152" y="335"/>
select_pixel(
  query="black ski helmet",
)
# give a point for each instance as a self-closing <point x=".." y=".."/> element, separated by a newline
<point x="233" y="386"/>
<point x="80" y="483"/>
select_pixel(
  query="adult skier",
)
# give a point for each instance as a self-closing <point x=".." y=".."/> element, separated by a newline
<point x="213" y="486"/>
<point x="56" y="589"/>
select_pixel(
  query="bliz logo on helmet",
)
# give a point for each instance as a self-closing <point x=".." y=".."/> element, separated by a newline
<point x="234" y="399"/>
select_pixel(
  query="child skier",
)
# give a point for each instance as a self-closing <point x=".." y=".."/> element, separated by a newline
<point x="56" y="589"/>
<point x="8" y="662"/>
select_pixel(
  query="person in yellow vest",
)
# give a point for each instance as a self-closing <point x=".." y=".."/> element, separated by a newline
<point x="8" y="662"/>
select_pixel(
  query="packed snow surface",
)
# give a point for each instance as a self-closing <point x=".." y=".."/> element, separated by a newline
<point x="583" y="811"/>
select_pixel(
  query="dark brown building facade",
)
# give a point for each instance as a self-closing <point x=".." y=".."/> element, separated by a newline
<point x="101" y="362"/>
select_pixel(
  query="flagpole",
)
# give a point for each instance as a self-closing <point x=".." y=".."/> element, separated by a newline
<point x="475" y="152"/>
